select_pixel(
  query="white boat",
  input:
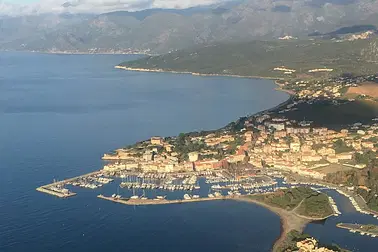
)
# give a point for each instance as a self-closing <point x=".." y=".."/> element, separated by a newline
<point x="134" y="197"/>
<point x="210" y="195"/>
<point x="187" y="197"/>
<point x="217" y="194"/>
<point x="161" y="197"/>
<point x="195" y="196"/>
<point x="216" y="186"/>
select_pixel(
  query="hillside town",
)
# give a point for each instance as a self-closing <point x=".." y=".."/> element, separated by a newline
<point x="264" y="140"/>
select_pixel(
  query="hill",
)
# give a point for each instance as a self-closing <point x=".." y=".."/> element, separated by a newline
<point x="302" y="200"/>
<point x="161" y="30"/>
<point x="260" y="58"/>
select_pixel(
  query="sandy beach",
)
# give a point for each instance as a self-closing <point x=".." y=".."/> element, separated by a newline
<point x="289" y="220"/>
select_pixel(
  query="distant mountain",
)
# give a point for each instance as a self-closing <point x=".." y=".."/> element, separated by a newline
<point x="164" y="30"/>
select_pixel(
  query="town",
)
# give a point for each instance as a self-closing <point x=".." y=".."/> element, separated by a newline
<point x="264" y="141"/>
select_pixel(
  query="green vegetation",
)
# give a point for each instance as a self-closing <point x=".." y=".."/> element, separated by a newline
<point x="340" y="146"/>
<point x="308" y="202"/>
<point x="366" y="157"/>
<point x="324" y="113"/>
<point x="370" y="198"/>
<point x="290" y="244"/>
<point x="259" y="58"/>
<point x="315" y="206"/>
<point x="369" y="228"/>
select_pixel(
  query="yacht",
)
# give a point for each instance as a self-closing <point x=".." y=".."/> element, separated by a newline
<point x="187" y="197"/>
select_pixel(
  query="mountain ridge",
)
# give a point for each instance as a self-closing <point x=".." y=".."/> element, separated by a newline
<point x="165" y="30"/>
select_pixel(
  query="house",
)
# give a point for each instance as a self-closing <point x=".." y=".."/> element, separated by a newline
<point x="344" y="156"/>
<point x="295" y="147"/>
<point x="332" y="159"/>
<point x="193" y="156"/>
<point x="326" y="151"/>
<point x="208" y="164"/>
<point x="156" y="140"/>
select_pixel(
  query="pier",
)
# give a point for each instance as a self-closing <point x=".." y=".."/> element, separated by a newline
<point x="58" y="192"/>
<point x="138" y="202"/>
<point x="57" y="189"/>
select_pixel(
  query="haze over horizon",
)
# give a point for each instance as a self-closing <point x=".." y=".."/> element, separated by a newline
<point x="33" y="7"/>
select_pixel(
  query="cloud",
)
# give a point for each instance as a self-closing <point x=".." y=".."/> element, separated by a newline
<point x="96" y="6"/>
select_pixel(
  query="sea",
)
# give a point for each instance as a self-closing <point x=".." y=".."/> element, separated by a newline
<point x="60" y="113"/>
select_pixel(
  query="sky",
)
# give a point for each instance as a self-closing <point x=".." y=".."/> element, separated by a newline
<point x="27" y="7"/>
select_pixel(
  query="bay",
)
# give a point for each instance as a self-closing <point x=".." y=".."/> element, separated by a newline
<point x="60" y="113"/>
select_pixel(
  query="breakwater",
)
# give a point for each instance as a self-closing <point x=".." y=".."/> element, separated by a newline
<point x="137" y="202"/>
<point x="360" y="229"/>
<point x="57" y="187"/>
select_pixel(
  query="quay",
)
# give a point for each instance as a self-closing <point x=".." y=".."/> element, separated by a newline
<point x="139" y="202"/>
<point x="368" y="230"/>
<point x="61" y="193"/>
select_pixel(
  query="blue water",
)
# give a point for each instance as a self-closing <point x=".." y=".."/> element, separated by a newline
<point x="60" y="113"/>
<point x="328" y="233"/>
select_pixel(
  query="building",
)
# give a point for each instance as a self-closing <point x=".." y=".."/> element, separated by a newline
<point x="295" y="147"/>
<point x="277" y="126"/>
<point x="332" y="159"/>
<point x="344" y="156"/>
<point x="309" y="157"/>
<point x="156" y="140"/>
<point x="147" y="156"/>
<point x="193" y="156"/>
<point x="208" y="164"/>
<point x="248" y="136"/>
<point x="326" y="151"/>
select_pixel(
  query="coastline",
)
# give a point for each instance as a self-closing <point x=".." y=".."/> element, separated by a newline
<point x="289" y="221"/>
<point x="198" y="74"/>
<point x="80" y="53"/>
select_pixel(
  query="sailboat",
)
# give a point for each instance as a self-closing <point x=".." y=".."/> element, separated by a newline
<point x="143" y="196"/>
<point x="210" y="195"/>
<point x="134" y="196"/>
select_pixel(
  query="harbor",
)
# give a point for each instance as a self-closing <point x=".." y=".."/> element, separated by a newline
<point x="162" y="185"/>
